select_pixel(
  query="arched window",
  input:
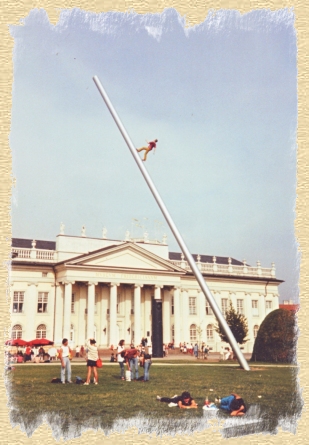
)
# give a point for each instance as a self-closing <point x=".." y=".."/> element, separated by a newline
<point x="72" y="333"/>
<point x="210" y="332"/>
<point x="193" y="332"/>
<point x="41" y="331"/>
<point x="17" y="331"/>
<point x="255" y="330"/>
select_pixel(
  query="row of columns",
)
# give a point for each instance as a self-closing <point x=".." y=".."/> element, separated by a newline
<point x="64" y="301"/>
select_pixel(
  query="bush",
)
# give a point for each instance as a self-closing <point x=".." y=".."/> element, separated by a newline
<point x="277" y="338"/>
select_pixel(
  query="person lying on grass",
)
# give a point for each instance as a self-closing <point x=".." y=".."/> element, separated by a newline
<point x="233" y="403"/>
<point x="184" y="401"/>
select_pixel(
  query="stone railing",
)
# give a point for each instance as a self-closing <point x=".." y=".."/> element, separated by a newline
<point x="34" y="254"/>
<point x="229" y="269"/>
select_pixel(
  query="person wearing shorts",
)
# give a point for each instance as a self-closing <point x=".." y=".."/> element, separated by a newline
<point x="93" y="356"/>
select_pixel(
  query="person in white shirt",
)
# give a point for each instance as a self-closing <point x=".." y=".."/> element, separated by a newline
<point x="93" y="356"/>
<point x="120" y="359"/>
<point x="64" y="355"/>
<point x="52" y="353"/>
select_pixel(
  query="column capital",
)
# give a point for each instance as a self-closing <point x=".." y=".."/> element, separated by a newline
<point x="90" y="283"/>
<point x="67" y="282"/>
<point x="158" y="286"/>
<point x="113" y="284"/>
<point x="138" y="285"/>
<point x="33" y="284"/>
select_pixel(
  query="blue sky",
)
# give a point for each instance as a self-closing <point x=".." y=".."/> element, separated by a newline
<point x="220" y="97"/>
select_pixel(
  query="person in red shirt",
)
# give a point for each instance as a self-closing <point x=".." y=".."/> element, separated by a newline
<point x="151" y="145"/>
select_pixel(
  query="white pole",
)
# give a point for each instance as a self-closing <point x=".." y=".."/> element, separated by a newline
<point x="170" y="222"/>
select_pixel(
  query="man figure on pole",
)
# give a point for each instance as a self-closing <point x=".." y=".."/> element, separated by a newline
<point x="151" y="145"/>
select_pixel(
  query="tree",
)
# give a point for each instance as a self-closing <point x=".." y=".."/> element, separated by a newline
<point x="276" y="339"/>
<point x="238" y="325"/>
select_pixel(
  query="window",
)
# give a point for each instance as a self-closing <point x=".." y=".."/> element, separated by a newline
<point x="18" y="301"/>
<point x="17" y="332"/>
<point x="255" y="308"/>
<point x="268" y="304"/>
<point x="193" y="332"/>
<point x="210" y="332"/>
<point x="192" y="305"/>
<point x="172" y="305"/>
<point x="44" y="274"/>
<point x="73" y="304"/>
<point x="224" y="305"/>
<point x="255" y="330"/>
<point x="41" y="331"/>
<point x="173" y="332"/>
<point x="42" y="302"/>
<point x="72" y="333"/>
<point x="240" y="306"/>
<point x="208" y="309"/>
<point x="132" y="302"/>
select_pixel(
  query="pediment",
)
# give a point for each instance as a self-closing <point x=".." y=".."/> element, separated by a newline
<point x="124" y="256"/>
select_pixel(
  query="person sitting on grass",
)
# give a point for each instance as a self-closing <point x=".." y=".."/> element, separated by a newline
<point x="112" y="359"/>
<point x="93" y="356"/>
<point x="234" y="404"/>
<point x="184" y="401"/>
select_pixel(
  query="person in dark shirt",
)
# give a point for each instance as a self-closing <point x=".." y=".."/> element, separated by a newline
<point x="184" y="401"/>
<point x="151" y="145"/>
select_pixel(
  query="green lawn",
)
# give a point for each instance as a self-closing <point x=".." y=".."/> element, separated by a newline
<point x="31" y="393"/>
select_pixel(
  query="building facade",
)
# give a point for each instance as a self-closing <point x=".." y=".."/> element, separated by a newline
<point x="80" y="287"/>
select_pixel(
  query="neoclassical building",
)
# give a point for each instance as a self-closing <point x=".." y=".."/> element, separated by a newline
<point x="79" y="287"/>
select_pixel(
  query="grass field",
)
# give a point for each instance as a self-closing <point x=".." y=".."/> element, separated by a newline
<point x="99" y="406"/>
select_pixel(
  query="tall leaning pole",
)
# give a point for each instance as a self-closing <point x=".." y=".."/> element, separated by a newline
<point x="170" y="222"/>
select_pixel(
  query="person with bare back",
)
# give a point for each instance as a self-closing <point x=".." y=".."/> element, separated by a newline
<point x="151" y="145"/>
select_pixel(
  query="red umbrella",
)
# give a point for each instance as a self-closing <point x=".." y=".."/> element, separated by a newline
<point x="16" y="342"/>
<point x="40" y="342"/>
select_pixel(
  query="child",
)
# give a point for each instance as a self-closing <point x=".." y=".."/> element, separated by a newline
<point x="184" y="401"/>
<point x="112" y="359"/>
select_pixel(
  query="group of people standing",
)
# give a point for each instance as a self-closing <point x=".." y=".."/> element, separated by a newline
<point x="132" y="358"/>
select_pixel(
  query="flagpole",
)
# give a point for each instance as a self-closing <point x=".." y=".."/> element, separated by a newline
<point x="199" y="277"/>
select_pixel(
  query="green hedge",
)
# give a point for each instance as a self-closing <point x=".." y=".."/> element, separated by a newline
<point x="277" y="338"/>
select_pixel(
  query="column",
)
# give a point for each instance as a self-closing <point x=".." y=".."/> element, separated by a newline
<point x="31" y="309"/>
<point x="90" y="309"/>
<point x="177" y="338"/>
<point x="103" y="317"/>
<point x="81" y="336"/>
<point x="67" y="309"/>
<point x="166" y="309"/>
<point x="113" y="314"/>
<point x="185" y="316"/>
<point x="58" y="314"/>
<point x="157" y="292"/>
<point x="137" y="313"/>
<point x="147" y="316"/>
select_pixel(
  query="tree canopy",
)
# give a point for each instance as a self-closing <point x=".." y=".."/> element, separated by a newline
<point x="238" y="325"/>
<point x="277" y="337"/>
